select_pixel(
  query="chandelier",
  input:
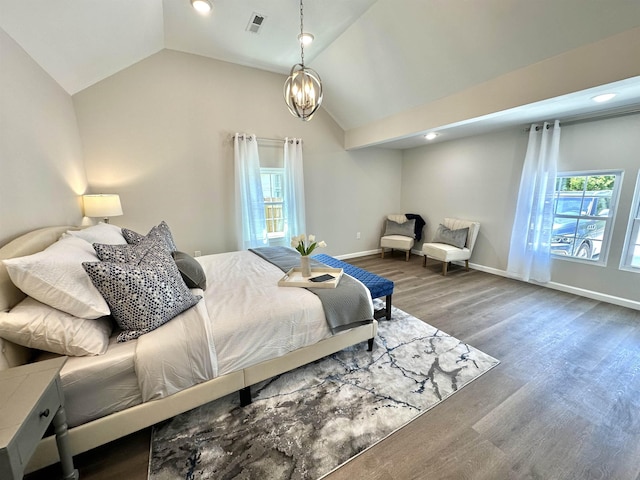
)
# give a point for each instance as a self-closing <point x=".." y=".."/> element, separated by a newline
<point x="303" y="88"/>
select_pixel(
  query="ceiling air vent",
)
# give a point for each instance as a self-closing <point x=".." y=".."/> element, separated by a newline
<point x="255" y="22"/>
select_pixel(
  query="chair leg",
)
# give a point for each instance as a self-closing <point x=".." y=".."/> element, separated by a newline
<point x="407" y="255"/>
<point x="444" y="268"/>
<point x="466" y="262"/>
<point x="424" y="261"/>
<point x="382" y="251"/>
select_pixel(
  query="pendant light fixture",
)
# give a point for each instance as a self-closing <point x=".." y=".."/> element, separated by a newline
<point x="303" y="88"/>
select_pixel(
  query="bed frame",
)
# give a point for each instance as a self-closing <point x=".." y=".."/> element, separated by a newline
<point x="111" y="427"/>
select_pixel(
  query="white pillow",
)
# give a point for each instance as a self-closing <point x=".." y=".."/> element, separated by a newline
<point x="100" y="233"/>
<point x="55" y="277"/>
<point x="35" y="325"/>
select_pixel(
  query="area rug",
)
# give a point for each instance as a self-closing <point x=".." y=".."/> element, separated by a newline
<point x="307" y="422"/>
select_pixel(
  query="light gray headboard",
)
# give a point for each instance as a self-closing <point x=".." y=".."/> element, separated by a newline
<point x="27" y="244"/>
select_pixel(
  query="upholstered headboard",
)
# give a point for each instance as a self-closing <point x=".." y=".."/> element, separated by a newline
<point x="27" y="244"/>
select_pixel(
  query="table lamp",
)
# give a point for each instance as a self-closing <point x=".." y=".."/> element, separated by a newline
<point x="103" y="205"/>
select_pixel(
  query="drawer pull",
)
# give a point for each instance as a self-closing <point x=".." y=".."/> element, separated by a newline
<point x="45" y="414"/>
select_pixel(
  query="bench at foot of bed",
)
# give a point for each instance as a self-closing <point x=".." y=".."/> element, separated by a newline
<point x="378" y="286"/>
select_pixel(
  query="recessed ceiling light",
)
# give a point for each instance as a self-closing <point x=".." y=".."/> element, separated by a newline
<point x="201" y="6"/>
<point x="605" y="97"/>
<point x="431" y="135"/>
<point x="305" y="38"/>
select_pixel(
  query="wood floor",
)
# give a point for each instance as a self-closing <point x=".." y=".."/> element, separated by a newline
<point x="563" y="404"/>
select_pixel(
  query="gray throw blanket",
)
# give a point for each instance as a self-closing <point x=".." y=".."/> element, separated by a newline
<point x="346" y="306"/>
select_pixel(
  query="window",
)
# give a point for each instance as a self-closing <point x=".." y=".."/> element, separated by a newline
<point x="631" y="252"/>
<point x="272" y="183"/>
<point x="584" y="209"/>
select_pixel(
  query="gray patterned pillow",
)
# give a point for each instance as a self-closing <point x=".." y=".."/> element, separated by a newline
<point x="161" y="232"/>
<point x="125" y="253"/>
<point x="143" y="294"/>
<point x="456" y="238"/>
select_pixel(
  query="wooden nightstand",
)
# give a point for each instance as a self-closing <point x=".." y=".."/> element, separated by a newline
<point x="31" y="398"/>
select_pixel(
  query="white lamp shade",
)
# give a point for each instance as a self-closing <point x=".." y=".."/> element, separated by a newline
<point x="102" y="205"/>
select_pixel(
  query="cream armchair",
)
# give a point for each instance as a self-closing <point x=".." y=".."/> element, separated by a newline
<point x="454" y="241"/>
<point x="401" y="232"/>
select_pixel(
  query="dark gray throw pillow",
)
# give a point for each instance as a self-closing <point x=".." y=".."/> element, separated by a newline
<point x="456" y="238"/>
<point x="191" y="270"/>
<point x="406" y="229"/>
<point x="143" y="294"/>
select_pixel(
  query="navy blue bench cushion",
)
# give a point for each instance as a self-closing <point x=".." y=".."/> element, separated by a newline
<point x="377" y="285"/>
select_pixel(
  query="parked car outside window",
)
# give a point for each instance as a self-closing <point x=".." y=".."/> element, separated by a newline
<point x="577" y="231"/>
<point x="584" y="207"/>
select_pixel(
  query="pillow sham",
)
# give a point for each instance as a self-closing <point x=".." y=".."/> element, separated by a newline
<point x="56" y="278"/>
<point x="36" y="325"/>
<point x="144" y="294"/>
<point x="456" y="238"/>
<point x="406" y="229"/>
<point x="191" y="270"/>
<point x="160" y="231"/>
<point x="100" y="233"/>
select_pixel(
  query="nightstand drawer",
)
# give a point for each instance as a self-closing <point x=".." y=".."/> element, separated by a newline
<point x="36" y="424"/>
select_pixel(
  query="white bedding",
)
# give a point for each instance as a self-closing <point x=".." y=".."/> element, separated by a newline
<point x="244" y="318"/>
<point x="114" y="373"/>
<point x="253" y="318"/>
<point x="179" y="354"/>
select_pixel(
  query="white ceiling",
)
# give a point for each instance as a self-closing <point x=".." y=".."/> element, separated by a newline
<point x="377" y="58"/>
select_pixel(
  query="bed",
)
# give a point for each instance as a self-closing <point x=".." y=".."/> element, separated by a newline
<point x="255" y="330"/>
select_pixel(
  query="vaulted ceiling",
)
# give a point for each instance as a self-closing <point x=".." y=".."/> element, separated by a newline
<point x="378" y="59"/>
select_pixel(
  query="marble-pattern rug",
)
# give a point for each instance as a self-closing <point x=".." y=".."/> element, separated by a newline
<point x="307" y="422"/>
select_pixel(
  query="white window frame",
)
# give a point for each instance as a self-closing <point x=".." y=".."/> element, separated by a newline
<point x="609" y="220"/>
<point x="633" y="228"/>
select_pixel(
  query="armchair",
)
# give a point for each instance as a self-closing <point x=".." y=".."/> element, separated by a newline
<point x="401" y="232"/>
<point x="454" y="241"/>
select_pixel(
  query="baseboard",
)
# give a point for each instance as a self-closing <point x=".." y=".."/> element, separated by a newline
<point x="602" y="297"/>
<point x="357" y="254"/>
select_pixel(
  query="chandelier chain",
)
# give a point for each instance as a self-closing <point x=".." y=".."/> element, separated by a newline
<point x="301" y="33"/>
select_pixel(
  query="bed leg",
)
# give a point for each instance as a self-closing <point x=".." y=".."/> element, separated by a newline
<point x="388" y="307"/>
<point x="245" y="396"/>
<point x="370" y="345"/>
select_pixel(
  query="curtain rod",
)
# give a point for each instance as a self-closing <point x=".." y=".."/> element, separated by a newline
<point x="265" y="139"/>
<point x="576" y="119"/>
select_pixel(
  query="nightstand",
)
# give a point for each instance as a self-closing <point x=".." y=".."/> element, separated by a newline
<point x="31" y="398"/>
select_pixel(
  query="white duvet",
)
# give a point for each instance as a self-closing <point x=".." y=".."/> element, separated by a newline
<point x="244" y="318"/>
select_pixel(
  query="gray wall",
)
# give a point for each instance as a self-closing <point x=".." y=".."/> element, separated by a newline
<point x="41" y="169"/>
<point x="159" y="134"/>
<point x="478" y="178"/>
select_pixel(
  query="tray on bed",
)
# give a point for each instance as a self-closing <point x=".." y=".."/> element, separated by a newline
<point x="294" y="278"/>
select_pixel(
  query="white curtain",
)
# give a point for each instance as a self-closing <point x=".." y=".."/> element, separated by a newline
<point x="294" y="208"/>
<point x="529" y="253"/>
<point x="251" y="228"/>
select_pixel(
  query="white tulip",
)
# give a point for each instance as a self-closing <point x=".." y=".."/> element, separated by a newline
<point x="322" y="244"/>
<point x="312" y="238"/>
